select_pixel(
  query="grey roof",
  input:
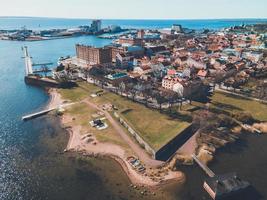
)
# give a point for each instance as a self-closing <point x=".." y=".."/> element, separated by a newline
<point x="226" y="183"/>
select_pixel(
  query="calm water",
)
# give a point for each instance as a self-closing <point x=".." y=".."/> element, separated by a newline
<point x="47" y="23"/>
<point x="31" y="165"/>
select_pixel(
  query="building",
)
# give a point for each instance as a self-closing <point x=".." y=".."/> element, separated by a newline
<point x="253" y="56"/>
<point x="115" y="50"/>
<point x="124" y="60"/>
<point x="197" y="64"/>
<point x="136" y="51"/>
<point x="156" y="50"/>
<point x="168" y="82"/>
<point x="177" y="28"/>
<point x="117" y="78"/>
<point x="94" y="56"/>
<point x="221" y="186"/>
<point x="96" y="26"/>
<point x="141" y="34"/>
<point x="130" y="41"/>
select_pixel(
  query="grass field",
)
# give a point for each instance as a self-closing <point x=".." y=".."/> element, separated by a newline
<point x="78" y="93"/>
<point x="82" y="114"/>
<point x="154" y="127"/>
<point x="233" y="103"/>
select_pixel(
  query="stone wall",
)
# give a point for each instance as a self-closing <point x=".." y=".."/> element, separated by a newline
<point x="136" y="136"/>
<point x="166" y="151"/>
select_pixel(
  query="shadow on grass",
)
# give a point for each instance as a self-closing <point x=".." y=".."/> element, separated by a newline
<point x="193" y="109"/>
<point x="225" y="106"/>
<point x="68" y="85"/>
<point x="177" y="115"/>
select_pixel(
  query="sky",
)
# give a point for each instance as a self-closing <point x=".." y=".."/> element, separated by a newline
<point x="136" y="9"/>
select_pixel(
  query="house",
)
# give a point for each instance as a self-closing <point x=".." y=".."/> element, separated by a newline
<point x="252" y="55"/>
<point x="168" y="82"/>
<point x="171" y="72"/>
<point x="202" y="73"/>
<point x="156" y="50"/>
<point x="124" y="60"/>
<point x="197" y="64"/>
<point x="143" y="69"/>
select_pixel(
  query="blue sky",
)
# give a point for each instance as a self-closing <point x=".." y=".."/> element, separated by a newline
<point x="136" y="9"/>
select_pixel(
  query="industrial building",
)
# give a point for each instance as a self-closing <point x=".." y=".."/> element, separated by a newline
<point x="93" y="55"/>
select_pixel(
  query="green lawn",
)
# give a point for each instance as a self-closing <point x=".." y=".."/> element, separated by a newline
<point x="232" y="103"/>
<point x="78" y="93"/>
<point x="82" y="114"/>
<point x="154" y="127"/>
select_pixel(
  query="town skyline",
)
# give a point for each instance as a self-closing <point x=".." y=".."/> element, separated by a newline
<point x="104" y="9"/>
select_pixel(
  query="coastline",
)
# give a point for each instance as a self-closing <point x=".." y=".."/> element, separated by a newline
<point x="108" y="150"/>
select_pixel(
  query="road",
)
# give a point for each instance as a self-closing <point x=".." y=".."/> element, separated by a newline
<point x="139" y="151"/>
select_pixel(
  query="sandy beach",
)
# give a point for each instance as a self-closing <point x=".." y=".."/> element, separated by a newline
<point x="78" y="143"/>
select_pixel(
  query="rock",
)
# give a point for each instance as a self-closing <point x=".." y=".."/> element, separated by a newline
<point x="237" y="130"/>
<point x="261" y="127"/>
<point x="205" y="154"/>
<point x="180" y="159"/>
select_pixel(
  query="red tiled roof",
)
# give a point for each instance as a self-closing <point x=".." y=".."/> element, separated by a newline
<point x="202" y="73"/>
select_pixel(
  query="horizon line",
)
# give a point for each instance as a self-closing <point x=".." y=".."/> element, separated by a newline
<point x="83" y="18"/>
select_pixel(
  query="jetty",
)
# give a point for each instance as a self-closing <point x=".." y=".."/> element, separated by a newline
<point x="204" y="167"/>
<point x="221" y="186"/>
<point x="31" y="75"/>
<point x="44" y="112"/>
<point x="37" y="114"/>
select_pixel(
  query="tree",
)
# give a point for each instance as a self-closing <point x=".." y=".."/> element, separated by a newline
<point x="128" y="88"/>
<point x="170" y="96"/>
<point x="263" y="89"/>
<point x="122" y="87"/>
<point x="97" y="74"/>
<point x="160" y="99"/>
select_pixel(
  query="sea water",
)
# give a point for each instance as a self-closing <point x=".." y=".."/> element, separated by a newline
<point x="31" y="163"/>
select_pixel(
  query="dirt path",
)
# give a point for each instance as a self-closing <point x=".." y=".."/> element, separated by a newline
<point x="142" y="155"/>
<point x="190" y="146"/>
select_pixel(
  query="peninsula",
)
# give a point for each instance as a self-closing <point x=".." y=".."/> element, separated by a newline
<point x="153" y="99"/>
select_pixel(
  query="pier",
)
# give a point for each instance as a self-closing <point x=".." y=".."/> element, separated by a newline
<point x="204" y="167"/>
<point x="37" y="114"/>
<point x="44" y="112"/>
<point x="223" y="185"/>
<point x="31" y="75"/>
<point x="28" y="61"/>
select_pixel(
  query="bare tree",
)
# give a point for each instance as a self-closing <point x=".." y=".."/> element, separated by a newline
<point x="160" y="99"/>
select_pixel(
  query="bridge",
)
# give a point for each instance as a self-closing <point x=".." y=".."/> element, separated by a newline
<point x="203" y="166"/>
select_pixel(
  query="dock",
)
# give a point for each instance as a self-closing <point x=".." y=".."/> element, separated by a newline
<point x="37" y="114"/>
<point x="223" y="185"/>
<point x="44" y="112"/>
<point x="204" y="167"/>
